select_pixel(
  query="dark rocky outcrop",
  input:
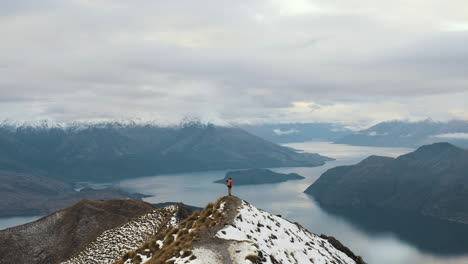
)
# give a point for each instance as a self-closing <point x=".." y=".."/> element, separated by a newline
<point x="338" y="245"/>
<point x="433" y="180"/>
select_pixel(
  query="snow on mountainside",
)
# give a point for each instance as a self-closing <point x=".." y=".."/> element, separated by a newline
<point x="233" y="231"/>
<point x="281" y="240"/>
<point x="113" y="243"/>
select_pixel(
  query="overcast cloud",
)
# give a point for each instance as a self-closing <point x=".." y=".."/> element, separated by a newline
<point x="356" y="62"/>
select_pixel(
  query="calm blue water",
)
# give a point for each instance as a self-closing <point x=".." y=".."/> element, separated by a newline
<point x="401" y="240"/>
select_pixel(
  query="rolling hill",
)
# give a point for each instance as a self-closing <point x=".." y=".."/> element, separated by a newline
<point x="433" y="180"/>
<point x="61" y="235"/>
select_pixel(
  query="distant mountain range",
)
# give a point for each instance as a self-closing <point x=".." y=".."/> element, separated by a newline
<point x="110" y="151"/>
<point x="409" y="134"/>
<point x="433" y="180"/>
<point x="258" y="176"/>
<point x="298" y="132"/>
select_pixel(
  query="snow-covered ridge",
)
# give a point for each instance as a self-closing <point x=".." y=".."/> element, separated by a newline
<point x="280" y="241"/>
<point x="112" y="244"/>
<point x="76" y="126"/>
<point x="233" y="231"/>
<point x="255" y="236"/>
<point x="113" y="123"/>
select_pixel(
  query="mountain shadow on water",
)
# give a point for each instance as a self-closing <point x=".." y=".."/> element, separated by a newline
<point x="427" y="234"/>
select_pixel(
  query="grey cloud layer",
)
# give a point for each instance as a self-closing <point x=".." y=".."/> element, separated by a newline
<point x="234" y="61"/>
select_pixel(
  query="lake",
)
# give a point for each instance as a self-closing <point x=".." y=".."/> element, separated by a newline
<point x="379" y="238"/>
<point x="10" y="221"/>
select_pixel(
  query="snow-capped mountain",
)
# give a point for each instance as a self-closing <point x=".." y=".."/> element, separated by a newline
<point x="233" y="231"/>
<point x="112" y="151"/>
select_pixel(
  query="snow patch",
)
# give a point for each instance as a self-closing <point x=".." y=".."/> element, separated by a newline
<point x="204" y="256"/>
<point x="221" y="206"/>
<point x="280" y="132"/>
<point x="240" y="250"/>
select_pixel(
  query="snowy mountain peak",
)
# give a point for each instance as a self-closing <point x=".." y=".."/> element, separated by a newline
<point x="233" y="231"/>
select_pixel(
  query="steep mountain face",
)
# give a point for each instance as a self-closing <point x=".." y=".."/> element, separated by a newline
<point x="29" y="194"/>
<point x="298" y="132"/>
<point x="410" y="134"/>
<point x="59" y="236"/>
<point x="433" y="180"/>
<point x="258" y="176"/>
<point x="233" y="231"/>
<point x="111" y="151"/>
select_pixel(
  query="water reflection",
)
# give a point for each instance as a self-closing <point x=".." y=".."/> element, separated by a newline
<point x="428" y="234"/>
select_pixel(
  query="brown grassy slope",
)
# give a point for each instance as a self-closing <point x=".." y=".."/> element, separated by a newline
<point x="198" y="228"/>
<point x="57" y="237"/>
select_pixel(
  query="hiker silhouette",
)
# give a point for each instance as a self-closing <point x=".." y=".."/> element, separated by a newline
<point x="229" y="185"/>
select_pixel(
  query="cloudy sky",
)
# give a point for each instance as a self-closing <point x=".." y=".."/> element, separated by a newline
<point x="356" y="62"/>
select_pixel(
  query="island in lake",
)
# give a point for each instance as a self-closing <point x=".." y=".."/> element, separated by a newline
<point x="258" y="176"/>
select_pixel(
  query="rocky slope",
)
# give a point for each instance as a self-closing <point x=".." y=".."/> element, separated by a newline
<point x="433" y="180"/>
<point x="104" y="152"/>
<point x="258" y="176"/>
<point x="61" y="235"/>
<point x="113" y="243"/>
<point x="233" y="231"/>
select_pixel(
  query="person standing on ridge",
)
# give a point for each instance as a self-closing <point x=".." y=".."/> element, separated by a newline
<point x="229" y="185"/>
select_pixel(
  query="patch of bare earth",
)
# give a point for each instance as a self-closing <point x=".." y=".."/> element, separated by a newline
<point x="208" y="239"/>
